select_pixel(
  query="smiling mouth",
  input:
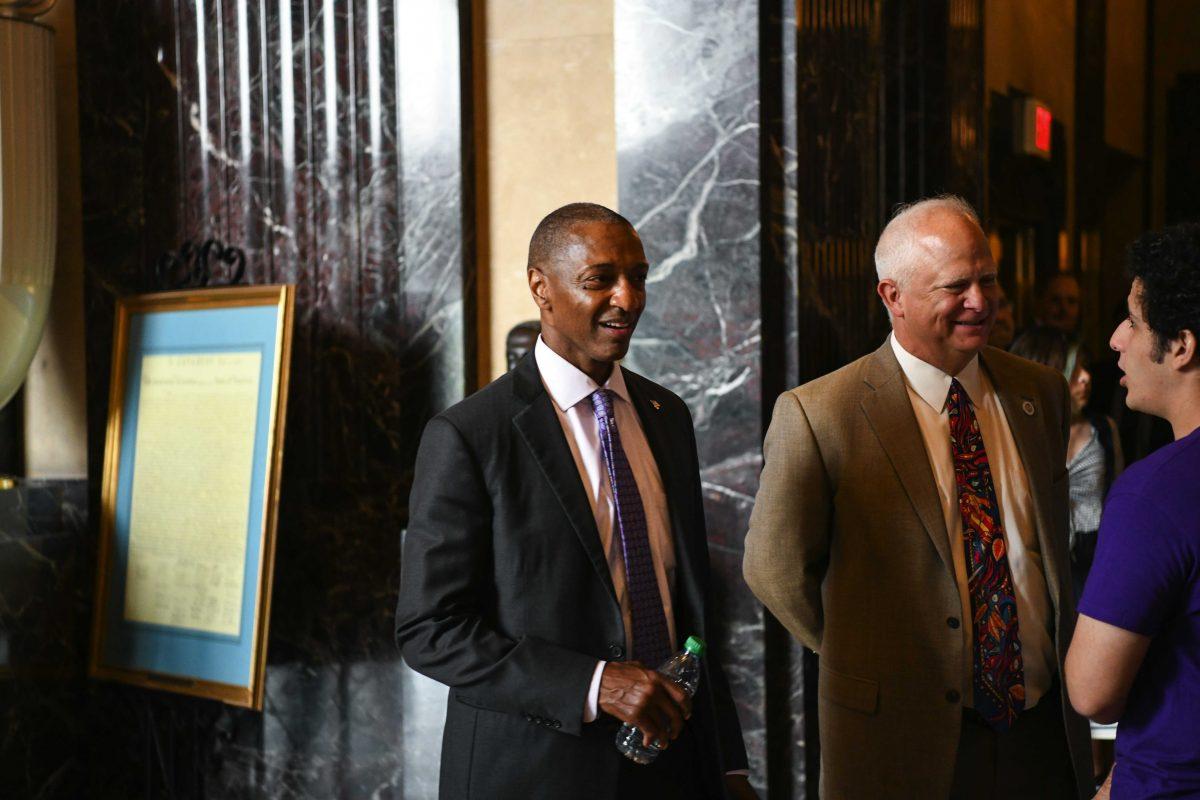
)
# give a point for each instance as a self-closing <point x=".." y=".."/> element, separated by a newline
<point x="617" y="326"/>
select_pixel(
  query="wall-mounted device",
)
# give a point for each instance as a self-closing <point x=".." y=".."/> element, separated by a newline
<point x="1032" y="127"/>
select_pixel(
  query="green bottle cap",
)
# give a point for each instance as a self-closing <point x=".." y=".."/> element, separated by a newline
<point x="695" y="645"/>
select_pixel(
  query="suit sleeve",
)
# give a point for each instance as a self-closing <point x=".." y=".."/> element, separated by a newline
<point x="443" y="626"/>
<point x="787" y="546"/>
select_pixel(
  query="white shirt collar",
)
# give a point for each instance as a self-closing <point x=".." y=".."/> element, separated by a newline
<point x="931" y="384"/>
<point x="567" y="384"/>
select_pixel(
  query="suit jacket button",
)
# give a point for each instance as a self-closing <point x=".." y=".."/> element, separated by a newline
<point x="952" y="622"/>
<point x="616" y="651"/>
<point x="555" y="724"/>
<point x="953" y="696"/>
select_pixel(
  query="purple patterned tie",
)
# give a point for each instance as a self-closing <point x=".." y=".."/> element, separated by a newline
<point x="651" y="644"/>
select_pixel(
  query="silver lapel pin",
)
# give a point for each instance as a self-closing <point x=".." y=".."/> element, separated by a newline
<point x="1028" y="408"/>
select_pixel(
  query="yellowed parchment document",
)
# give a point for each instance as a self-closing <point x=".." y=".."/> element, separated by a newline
<point x="191" y="490"/>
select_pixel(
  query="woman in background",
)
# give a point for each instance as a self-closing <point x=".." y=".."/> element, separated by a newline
<point x="1094" y="451"/>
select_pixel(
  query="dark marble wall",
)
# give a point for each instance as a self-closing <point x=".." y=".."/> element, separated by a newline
<point x="327" y="140"/>
<point x="708" y="166"/>
<point x="44" y="605"/>
<point x="690" y="179"/>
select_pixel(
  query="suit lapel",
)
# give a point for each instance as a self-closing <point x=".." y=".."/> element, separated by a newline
<point x="653" y="419"/>
<point x="1024" y="413"/>
<point x="537" y="424"/>
<point x="889" y="411"/>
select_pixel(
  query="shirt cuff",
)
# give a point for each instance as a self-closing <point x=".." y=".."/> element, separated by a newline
<point x="591" y="708"/>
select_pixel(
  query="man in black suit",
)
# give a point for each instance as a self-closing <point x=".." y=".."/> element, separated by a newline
<point x="556" y="553"/>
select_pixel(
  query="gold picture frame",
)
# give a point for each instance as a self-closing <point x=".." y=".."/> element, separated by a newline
<point x="199" y="385"/>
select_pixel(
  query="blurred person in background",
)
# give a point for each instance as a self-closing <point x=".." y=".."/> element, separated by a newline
<point x="1058" y="303"/>
<point x="1094" y="457"/>
<point x="1004" y="326"/>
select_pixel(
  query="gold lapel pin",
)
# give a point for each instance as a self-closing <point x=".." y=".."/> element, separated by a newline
<point x="1028" y="408"/>
<point x="656" y="404"/>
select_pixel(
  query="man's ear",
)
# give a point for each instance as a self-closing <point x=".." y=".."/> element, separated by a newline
<point x="889" y="293"/>
<point x="539" y="288"/>
<point x="1182" y="350"/>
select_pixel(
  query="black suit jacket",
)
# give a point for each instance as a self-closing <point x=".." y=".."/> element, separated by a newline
<point x="506" y="597"/>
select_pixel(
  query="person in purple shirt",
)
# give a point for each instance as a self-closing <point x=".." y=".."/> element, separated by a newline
<point x="1135" y="656"/>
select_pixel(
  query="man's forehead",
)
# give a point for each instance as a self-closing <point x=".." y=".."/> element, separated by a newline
<point x="589" y="243"/>
<point x="940" y="262"/>
<point x="949" y="235"/>
<point x="959" y="273"/>
<point x="586" y="236"/>
<point x="586" y="229"/>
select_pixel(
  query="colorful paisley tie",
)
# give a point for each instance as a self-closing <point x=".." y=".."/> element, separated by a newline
<point x="999" y="681"/>
<point x="651" y="644"/>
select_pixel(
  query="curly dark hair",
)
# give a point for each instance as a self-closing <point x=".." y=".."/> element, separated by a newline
<point x="1167" y="262"/>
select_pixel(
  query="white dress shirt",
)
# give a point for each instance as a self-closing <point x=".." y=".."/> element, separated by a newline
<point x="928" y="387"/>
<point x="571" y="391"/>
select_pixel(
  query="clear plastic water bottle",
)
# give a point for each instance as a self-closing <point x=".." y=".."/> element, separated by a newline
<point x="684" y="669"/>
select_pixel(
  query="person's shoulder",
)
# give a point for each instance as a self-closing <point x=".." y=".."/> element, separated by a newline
<point x="1012" y="374"/>
<point x="1154" y="500"/>
<point x="1004" y="362"/>
<point x="653" y="392"/>
<point x="1166" y="475"/>
<point x="491" y="403"/>
<point x="839" y="384"/>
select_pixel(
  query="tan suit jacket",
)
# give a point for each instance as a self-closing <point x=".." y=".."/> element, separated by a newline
<point x="848" y="548"/>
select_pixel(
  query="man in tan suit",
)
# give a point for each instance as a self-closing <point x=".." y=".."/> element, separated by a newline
<point x="911" y="528"/>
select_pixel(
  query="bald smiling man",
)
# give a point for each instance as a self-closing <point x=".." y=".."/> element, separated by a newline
<point x="911" y="528"/>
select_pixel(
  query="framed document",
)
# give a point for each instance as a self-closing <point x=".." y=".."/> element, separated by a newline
<point x="190" y="491"/>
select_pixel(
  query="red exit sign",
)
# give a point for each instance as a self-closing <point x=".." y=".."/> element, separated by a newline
<point x="1033" y="127"/>
<point x="1042" y="121"/>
